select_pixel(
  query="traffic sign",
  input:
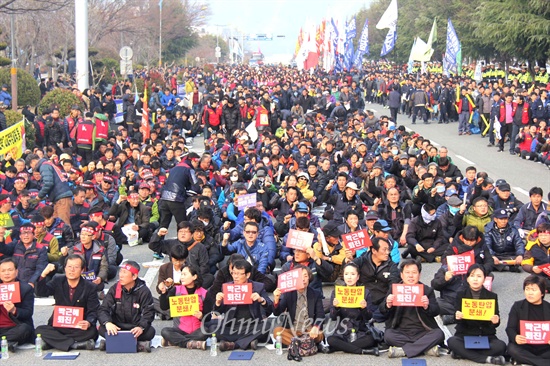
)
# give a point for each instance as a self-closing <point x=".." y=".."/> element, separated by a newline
<point x="126" y="67"/>
<point x="217" y="49"/>
<point x="126" y="53"/>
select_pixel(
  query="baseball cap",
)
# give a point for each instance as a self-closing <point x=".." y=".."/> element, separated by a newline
<point x="302" y="207"/>
<point x="144" y="186"/>
<point x="352" y="185"/>
<point x="371" y="215"/>
<point x="454" y="201"/>
<point x="500" y="214"/>
<point x="381" y="225"/>
<point x="505" y="187"/>
<point x="451" y="192"/>
<point x="331" y="229"/>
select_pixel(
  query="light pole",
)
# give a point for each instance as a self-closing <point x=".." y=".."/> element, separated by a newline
<point x="13" y="70"/>
<point x="160" y="33"/>
<point x="81" y="42"/>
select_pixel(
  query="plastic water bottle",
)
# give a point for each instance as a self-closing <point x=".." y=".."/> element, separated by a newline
<point x="279" y="344"/>
<point x="352" y="336"/>
<point x="4" y="346"/>
<point x="38" y="346"/>
<point x="213" y="345"/>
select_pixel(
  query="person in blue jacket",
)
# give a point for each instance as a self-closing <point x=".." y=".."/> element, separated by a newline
<point x="250" y="247"/>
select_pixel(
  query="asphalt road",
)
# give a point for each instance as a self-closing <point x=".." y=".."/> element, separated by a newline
<point x="521" y="174"/>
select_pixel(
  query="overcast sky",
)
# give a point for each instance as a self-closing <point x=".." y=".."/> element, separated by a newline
<point x="279" y="17"/>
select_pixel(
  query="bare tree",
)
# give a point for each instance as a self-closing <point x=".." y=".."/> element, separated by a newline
<point x="23" y="6"/>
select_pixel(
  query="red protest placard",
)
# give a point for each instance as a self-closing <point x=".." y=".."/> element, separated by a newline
<point x="237" y="294"/>
<point x="459" y="264"/>
<point x="357" y="240"/>
<point x="545" y="268"/>
<point x="10" y="291"/>
<point x="299" y="240"/>
<point x="290" y="281"/>
<point x="67" y="316"/>
<point x="407" y="295"/>
<point x="536" y="332"/>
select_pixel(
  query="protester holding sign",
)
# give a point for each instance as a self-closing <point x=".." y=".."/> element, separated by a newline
<point x="412" y="331"/>
<point x="70" y="290"/>
<point x="249" y="319"/>
<point x="128" y="306"/>
<point x="16" y="306"/>
<point x="330" y="249"/>
<point x="536" y="258"/>
<point x="534" y="309"/>
<point x="494" y="353"/>
<point x="357" y="317"/>
<point x="303" y="310"/>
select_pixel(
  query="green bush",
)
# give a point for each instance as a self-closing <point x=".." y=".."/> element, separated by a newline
<point x="13" y="117"/>
<point x="28" y="92"/>
<point x="60" y="98"/>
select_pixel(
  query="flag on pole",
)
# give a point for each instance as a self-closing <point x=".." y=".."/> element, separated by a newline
<point x="389" y="20"/>
<point x="431" y="40"/>
<point x="452" y="50"/>
<point x="389" y="42"/>
<point x="145" y="126"/>
<point x="136" y="95"/>
<point x="351" y="29"/>
<point x="160" y="4"/>
<point x="363" y="47"/>
<point x="348" y="55"/>
<point x="410" y="64"/>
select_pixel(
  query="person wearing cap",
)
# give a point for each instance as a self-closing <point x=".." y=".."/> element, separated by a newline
<point x="536" y="253"/>
<point x="349" y="200"/>
<point x="106" y="191"/>
<point x="504" y="242"/>
<point x="69" y="289"/>
<point x="130" y="211"/>
<point x="128" y="306"/>
<point x="446" y="212"/>
<point x="45" y="240"/>
<point x="425" y="236"/>
<point x="30" y="258"/>
<point x="174" y="193"/>
<point x="55" y="187"/>
<point x="5" y="96"/>
<point x="96" y="265"/>
<point x="503" y="198"/>
<point x="381" y="229"/>
<point x="305" y="189"/>
<point x="16" y="318"/>
<point x="329" y="248"/>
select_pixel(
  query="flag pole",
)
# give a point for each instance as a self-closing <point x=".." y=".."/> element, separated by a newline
<point x="160" y="33"/>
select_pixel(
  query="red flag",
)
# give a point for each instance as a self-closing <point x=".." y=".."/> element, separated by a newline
<point x="145" y="126"/>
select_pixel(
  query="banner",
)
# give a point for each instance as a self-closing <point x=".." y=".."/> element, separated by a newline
<point x="459" y="264"/>
<point x="145" y="126"/>
<point x="349" y="296"/>
<point x="407" y="295"/>
<point x="536" y="332"/>
<point x="89" y="275"/>
<point x="357" y="240"/>
<point x="184" y="305"/>
<point x="478" y="309"/>
<point x="452" y="50"/>
<point x="363" y="47"/>
<point x="290" y="281"/>
<point x="237" y="294"/>
<point x="246" y="200"/>
<point x="119" y="116"/>
<point x="12" y="141"/>
<point x="389" y="42"/>
<point x="10" y="291"/>
<point x="299" y="240"/>
<point x="67" y="316"/>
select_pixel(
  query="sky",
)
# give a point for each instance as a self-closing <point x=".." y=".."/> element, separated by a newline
<point x="279" y="17"/>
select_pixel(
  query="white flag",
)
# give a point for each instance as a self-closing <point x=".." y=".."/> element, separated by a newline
<point x="389" y="18"/>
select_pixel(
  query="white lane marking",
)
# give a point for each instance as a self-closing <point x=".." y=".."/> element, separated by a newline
<point x="150" y="275"/>
<point x="522" y="191"/>
<point x="465" y="160"/>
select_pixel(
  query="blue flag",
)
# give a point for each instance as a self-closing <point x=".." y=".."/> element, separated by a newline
<point x="351" y="29"/>
<point x="389" y="42"/>
<point x="363" y="46"/>
<point x="160" y="4"/>
<point x="452" y="50"/>
<point x="348" y="56"/>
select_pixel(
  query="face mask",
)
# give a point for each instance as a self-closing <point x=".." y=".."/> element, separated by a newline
<point x="204" y="222"/>
<point x="266" y="161"/>
<point x="395" y="152"/>
<point x="426" y="216"/>
<point x="440" y="189"/>
<point x="234" y="178"/>
<point x="453" y="210"/>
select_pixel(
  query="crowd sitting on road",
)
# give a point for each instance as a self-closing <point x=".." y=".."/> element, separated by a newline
<point x="297" y="175"/>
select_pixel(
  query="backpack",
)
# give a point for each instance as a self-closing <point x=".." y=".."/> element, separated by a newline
<point x="302" y="346"/>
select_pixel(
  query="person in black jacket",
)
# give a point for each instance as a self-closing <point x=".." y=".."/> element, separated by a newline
<point x="425" y="236"/>
<point x="230" y="118"/>
<point x="19" y="314"/>
<point x="535" y="309"/>
<point x="475" y="290"/>
<point x="128" y="306"/>
<point x="412" y="331"/>
<point x="70" y="290"/>
<point x="504" y="242"/>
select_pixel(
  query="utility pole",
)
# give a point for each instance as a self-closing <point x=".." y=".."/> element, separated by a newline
<point x="160" y="33"/>
<point x="13" y="70"/>
<point x="81" y="43"/>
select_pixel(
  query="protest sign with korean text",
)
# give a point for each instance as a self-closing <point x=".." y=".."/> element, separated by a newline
<point x="299" y="240"/>
<point x="478" y="309"/>
<point x="536" y="332"/>
<point x="184" y="305"/>
<point x="246" y="200"/>
<point x="234" y="294"/>
<point x="357" y="240"/>
<point x="349" y="296"/>
<point x="67" y="316"/>
<point x="459" y="264"/>
<point x="291" y="280"/>
<point x="545" y="268"/>
<point x="10" y="291"/>
<point x="407" y="295"/>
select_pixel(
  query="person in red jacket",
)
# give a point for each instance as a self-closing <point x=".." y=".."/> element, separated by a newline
<point x="212" y="118"/>
<point x="525" y="139"/>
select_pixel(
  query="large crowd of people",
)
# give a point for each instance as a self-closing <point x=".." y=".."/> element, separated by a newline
<point x="295" y="169"/>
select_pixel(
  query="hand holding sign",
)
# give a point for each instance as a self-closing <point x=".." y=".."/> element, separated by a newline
<point x="10" y="292"/>
<point x="299" y="240"/>
<point x="290" y="281"/>
<point x="460" y="263"/>
<point x="408" y="295"/>
<point x="357" y="240"/>
<point x="234" y="294"/>
<point x="478" y="309"/>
